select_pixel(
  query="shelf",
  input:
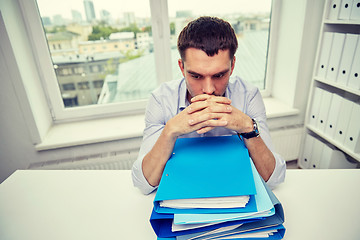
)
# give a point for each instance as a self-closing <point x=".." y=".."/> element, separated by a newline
<point x="338" y="86"/>
<point x="356" y="156"/>
<point x="342" y="22"/>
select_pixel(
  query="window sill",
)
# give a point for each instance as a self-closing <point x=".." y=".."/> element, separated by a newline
<point x="117" y="128"/>
<point x="92" y="131"/>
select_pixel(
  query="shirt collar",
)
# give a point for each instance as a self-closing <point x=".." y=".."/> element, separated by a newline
<point x="183" y="102"/>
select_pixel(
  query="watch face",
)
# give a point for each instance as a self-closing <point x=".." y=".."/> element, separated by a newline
<point x="254" y="133"/>
<point x="256" y="129"/>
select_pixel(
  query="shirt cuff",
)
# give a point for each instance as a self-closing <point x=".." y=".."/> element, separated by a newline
<point x="278" y="176"/>
<point x="139" y="179"/>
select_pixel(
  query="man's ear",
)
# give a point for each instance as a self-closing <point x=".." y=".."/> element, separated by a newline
<point x="181" y="66"/>
<point x="232" y="64"/>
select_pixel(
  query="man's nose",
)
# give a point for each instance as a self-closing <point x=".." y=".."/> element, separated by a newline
<point x="208" y="86"/>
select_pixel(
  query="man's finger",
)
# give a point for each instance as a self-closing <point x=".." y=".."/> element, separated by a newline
<point x="204" y="97"/>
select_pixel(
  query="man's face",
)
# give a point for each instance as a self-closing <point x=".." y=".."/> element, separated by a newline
<point x="204" y="74"/>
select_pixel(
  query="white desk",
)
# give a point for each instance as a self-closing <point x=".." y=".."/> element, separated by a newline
<point x="49" y="205"/>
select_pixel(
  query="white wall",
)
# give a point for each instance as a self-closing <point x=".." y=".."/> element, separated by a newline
<point x="298" y="33"/>
<point x="17" y="132"/>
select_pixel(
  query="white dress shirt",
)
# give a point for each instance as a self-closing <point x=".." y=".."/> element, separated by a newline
<point x="170" y="98"/>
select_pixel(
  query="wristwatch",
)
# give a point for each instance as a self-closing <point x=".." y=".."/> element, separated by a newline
<point x="253" y="133"/>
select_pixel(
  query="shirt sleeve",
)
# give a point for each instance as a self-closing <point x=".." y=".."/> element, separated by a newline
<point x="256" y="110"/>
<point x="154" y="125"/>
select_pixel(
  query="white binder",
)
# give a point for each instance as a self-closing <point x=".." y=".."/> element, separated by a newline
<point x="333" y="115"/>
<point x="345" y="9"/>
<point x="347" y="58"/>
<point x="315" y="108"/>
<point x="316" y="153"/>
<point x="324" y="110"/>
<point x="355" y="10"/>
<point x="324" y="54"/>
<point x="335" y="56"/>
<point x="343" y="121"/>
<point x="334" y="159"/>
<point x="354" y="78"/>
<point x="306" y="156"/>
<point x="352" y="141"/>
<point x="334" y="9"/>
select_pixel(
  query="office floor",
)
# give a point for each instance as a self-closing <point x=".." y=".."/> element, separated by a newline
<point x="292" y="164"/>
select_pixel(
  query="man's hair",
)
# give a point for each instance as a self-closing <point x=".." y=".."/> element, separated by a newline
<point x="209" y="34"/>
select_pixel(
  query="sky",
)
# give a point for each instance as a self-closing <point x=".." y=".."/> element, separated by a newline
<point x="141" y="7"/>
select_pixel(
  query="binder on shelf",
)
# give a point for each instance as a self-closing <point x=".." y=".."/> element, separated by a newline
<point x="355" y="10"/>
<point x="334" y="9"/>
<point x="316" y="153"/>
<point x="315" y="108"/>
<point x="354" y="78"/>
<point x="334" y="159"/>
<point x="333" y="115"/>
<point x="343" y="121"/>
<point x="324" y="110"/>
<point x="347" y="58"/>
<point x="324" y="54"/>
<point x="335" y="56"/>
<point x="352" y="141"/>
<point x="306" y="156"/>
<point x="345" y="9"/>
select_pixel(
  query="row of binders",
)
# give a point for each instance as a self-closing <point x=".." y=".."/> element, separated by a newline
<point x="317" y="154"/>
<point x="344" y="10"/>
<point x="210" y="189"/>
<point x="336" y="117"/>
<point x="339" y="59"/>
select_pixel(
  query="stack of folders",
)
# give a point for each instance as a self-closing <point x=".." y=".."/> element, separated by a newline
<point x="210" y="189"/>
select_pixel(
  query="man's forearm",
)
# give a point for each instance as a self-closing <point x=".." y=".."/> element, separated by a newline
<point x="154" y="162"/>
<point x="262" y="157"/>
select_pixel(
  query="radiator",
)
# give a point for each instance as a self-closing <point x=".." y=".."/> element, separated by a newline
<point x="287" y="142"/>
<point x="104" y="161"/>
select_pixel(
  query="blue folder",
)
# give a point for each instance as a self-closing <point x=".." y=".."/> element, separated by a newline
<point x="273" y="222"/>
<point x="207" y="167"/>
<point x="263" y="203"/>
<point x="161" y="224"/>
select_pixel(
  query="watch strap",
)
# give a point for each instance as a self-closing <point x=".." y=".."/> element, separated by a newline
<point x="252" y="134"/>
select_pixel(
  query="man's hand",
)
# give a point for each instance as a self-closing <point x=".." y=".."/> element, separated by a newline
<point x="207" y="112"/>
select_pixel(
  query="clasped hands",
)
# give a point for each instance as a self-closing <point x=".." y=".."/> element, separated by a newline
<point x="207" y="112"/>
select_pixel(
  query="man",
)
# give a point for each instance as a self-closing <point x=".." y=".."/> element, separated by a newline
<point x="205" y="103"/>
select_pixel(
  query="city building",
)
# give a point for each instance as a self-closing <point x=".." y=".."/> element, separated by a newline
<point x="81" y="77"/>
<point x="89" y="11"/>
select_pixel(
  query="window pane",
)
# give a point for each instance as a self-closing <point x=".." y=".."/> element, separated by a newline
<point x="102" y="50"/>
<point x="250" y="20"/>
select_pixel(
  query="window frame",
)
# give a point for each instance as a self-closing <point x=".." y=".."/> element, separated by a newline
<point x="161" y="36"/>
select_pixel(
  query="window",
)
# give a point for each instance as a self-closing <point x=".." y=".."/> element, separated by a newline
<point x="251" y="23"/>
<point x="68" y="86"/>
<point x="107" y="52"/>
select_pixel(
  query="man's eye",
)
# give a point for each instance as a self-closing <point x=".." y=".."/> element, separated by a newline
<point x="219" y="75"/>
<point x="195" y="76"/>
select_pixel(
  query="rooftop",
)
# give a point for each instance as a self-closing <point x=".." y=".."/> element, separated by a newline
<point x="136" y="79"/>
